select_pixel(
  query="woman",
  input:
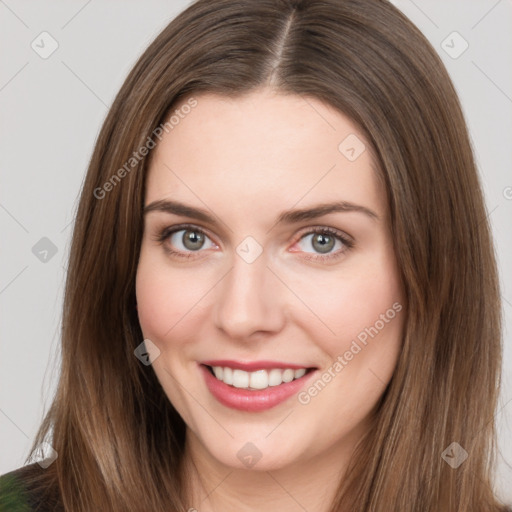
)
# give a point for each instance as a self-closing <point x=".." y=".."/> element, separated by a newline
<point x="282" y="288"/>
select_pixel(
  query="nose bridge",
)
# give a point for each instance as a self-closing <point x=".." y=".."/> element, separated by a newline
<point x="250" y="299"/>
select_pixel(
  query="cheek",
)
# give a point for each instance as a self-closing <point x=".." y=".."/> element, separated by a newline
<point x="164" y="297"/>
<point x="354" y="304"/>
<point x="366" y="312"/>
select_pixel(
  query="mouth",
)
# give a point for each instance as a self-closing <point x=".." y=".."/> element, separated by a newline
<point x="254" y="387"/>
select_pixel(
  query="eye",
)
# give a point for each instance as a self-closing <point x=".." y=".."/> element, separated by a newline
<point x="183" y="241"/>
<point x="324" y="240"/>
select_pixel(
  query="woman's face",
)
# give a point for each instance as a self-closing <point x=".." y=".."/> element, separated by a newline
<point x="283" y="263"/>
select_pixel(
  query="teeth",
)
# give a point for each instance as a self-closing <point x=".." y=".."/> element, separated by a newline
<point x="299" y="373"/>
<point x="227" y="376"/>
<point x="288" y="375"/>
<point x="260" y="379"/>
<point x="240" y="379"/>
<point x="275" y="377"/>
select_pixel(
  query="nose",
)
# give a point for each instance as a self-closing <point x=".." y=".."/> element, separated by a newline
<point x="249" y="300"/>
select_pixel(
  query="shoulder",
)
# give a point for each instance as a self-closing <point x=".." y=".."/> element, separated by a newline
<point x="18" y="494"/>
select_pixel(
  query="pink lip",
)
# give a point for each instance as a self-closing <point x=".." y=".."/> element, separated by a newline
<point x="252" y="401"/>
<point x="252" y="366"/>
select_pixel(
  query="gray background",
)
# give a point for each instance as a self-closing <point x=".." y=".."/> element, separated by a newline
<point x="51" y="111"/>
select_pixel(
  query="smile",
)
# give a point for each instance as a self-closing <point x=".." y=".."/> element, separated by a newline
<point x="256" y="386"/>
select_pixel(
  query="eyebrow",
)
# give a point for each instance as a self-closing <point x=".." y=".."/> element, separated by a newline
<point x="286" y="217"/>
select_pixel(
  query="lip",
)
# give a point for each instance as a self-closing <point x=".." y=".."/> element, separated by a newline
<point x="257" y="400"/>
<point x="253" y="365"/>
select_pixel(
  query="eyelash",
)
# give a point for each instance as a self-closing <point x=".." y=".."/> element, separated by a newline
<point x="165" y="233"/>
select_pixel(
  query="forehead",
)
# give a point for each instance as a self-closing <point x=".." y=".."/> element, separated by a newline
<point x="263" y="150"/>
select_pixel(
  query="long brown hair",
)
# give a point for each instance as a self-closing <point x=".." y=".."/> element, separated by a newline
<point x="119" y="440"/>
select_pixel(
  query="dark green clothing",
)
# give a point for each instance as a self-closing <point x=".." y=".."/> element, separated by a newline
<point x="17" y="496"/>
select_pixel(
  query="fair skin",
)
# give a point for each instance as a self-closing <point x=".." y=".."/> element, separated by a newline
<point x="245" y="161"/>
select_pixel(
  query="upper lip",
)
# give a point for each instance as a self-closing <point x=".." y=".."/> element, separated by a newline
<point x="250" y="366"/>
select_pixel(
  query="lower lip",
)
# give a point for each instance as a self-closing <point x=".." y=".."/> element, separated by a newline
<point x="252" y="401"/>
